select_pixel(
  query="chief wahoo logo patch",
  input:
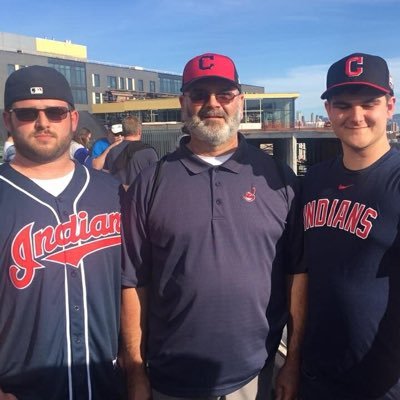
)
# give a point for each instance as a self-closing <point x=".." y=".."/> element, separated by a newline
<point x="251" y="195"/>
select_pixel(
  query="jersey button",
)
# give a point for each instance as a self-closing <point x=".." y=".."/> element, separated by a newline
<point x="73" y="274"/>
<point x="218" y="183"/>
<point x="76" y="308"/>
<point x="77" y="339"/>
<point x="219" y="202"/>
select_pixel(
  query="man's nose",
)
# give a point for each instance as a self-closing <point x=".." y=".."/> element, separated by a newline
<point x="212" y="101"/>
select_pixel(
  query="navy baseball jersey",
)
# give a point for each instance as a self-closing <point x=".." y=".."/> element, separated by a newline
<point x="60" y="277"/>
<point x="352" y="250"/>
<point x="215" y="250"/>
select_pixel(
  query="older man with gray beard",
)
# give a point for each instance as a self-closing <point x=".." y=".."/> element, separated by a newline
<point x="213" y="265"/>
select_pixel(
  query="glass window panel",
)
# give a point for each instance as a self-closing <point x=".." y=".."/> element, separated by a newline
<point x="130" y="84"/>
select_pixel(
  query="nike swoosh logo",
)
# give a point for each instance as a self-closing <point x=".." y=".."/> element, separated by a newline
<point x="342" y="187"/>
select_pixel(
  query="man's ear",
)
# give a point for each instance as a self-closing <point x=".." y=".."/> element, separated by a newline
<point x="327" y="105"/>
<point x="391" y="105"/>
<point x="7" y="120"/>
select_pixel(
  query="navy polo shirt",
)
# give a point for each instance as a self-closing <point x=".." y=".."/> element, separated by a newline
<point x="214" y="251"/>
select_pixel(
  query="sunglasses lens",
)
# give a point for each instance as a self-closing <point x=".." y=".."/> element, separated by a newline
<point x="202" y="97"/>
<point x="199" y="97"/>
<point x="54" y="114"/>
<point x="225" y="97"/>
<point x="26" y="114"/>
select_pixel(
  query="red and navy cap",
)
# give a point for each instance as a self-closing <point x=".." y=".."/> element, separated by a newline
<point x="209" y="65"/>
<point x="358" y="69"/>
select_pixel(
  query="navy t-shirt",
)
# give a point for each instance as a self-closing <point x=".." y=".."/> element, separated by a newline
<point x="352" y="251"/>
<point x="214" y="250"/>
<point x="139" y="160"/>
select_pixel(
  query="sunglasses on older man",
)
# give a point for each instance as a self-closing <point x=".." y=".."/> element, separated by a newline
<point x="201" y="96"/>
<point x="53" y="114"/>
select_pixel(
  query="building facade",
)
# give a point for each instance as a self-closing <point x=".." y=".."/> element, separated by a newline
<point x="110" y="91"/>
<point x="91" y="82"/>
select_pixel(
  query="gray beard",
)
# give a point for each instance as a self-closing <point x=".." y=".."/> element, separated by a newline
<point x="213" y="133"/>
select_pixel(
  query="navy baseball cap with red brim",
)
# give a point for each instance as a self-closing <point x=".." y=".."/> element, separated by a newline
<point x="358" y="69"/>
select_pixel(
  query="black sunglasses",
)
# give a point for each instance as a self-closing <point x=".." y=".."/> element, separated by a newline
<point x="54" y="114"/>
<point x="200" y="97"/>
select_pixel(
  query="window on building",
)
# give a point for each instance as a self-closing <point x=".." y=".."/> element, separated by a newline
<point x="11" y="68"/>
<point x="129" y="82"/>
<point x="140" y="86"/>
<point x="121" y="82"/>
<point x="112" y="82"/>
<point x="97" y="98"/>
<point x="152" y="86"/>
<point x="170" y="84"/>
<point x="96" y="80"/>
<point x="75" y="73"/>
<point x="278" y="113"/>
<point x="80" y="96"/>
<point x="252" y="112"/>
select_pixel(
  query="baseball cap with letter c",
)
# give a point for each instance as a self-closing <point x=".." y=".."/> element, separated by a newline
<point x="209" y="65"/>
<point x="358" y="69"/>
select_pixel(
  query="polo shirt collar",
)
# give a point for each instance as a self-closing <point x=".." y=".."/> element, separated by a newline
<point x="196" y="165"/>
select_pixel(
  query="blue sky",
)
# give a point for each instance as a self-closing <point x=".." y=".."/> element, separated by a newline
<point x="285" y="46"/>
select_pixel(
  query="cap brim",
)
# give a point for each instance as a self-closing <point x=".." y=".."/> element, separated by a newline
<point x="342" y="86"/>
<point x="190" y="83"/>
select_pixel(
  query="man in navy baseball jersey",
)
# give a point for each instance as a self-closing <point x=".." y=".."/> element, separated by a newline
<point x="60" y="254"/>
<point x="213" y="269"/>
<point x="352" y="243"/>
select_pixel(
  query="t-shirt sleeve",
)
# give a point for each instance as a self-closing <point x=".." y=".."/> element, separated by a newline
<point x="98" y="148"/>
<point x="81" y="155"/>
<point x="294" y="231"/>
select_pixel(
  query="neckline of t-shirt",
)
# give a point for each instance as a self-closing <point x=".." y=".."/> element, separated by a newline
<point x="371" y="167"/>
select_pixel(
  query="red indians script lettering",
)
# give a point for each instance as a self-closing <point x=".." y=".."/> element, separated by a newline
<point x="352" y="217"/>
<point x="66" y="243"/>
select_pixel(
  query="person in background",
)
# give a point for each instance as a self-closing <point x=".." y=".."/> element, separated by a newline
<point x="9" y="148"/>
<point x="130" y="156"/>
<point x="102" y="146"/>
<point x="213" y="263"/>
<point x="8" y="142"/>
<point x="79" y="149"/>
<point x="60" y="253"/>
<point x="352" y="243"/>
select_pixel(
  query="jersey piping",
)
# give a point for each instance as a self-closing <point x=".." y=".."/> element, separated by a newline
<point x="66" y="289"/>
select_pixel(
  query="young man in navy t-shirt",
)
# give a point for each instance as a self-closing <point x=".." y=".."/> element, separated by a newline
<point x="352" y="243"/>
